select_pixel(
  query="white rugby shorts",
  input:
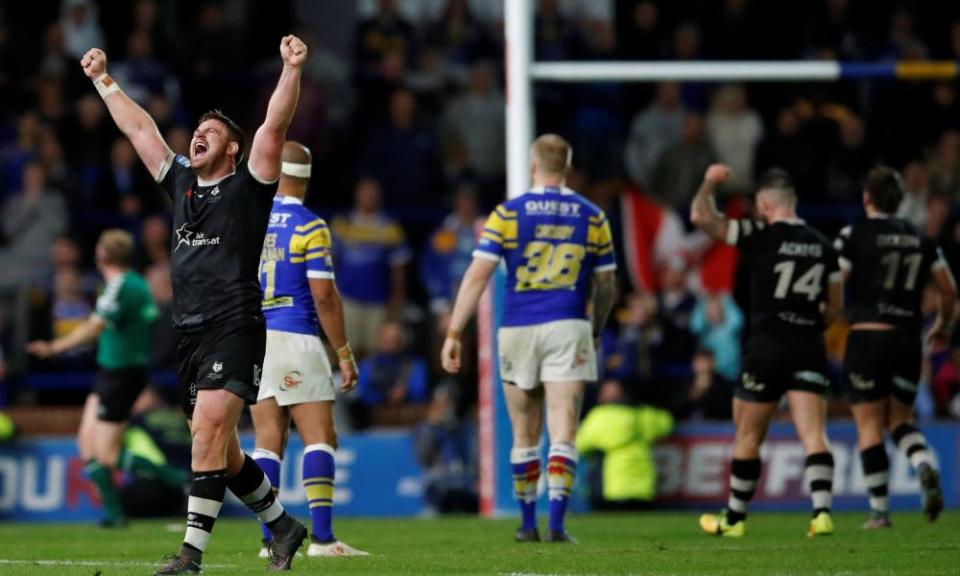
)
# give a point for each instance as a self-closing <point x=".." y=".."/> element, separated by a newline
<point x="560" y="351"/>
<point x="296" y="369"/>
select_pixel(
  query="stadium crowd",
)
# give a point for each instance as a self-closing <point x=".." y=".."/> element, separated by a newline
<point x="404" y="113"/>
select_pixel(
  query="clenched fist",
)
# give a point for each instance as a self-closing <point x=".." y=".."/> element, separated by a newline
<point x="717" y="173"/>
<point x="94" y="63"/>
<point x="293" y="51"/>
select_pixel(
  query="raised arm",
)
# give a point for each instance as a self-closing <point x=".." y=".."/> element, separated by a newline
<point x="268" y="142"/>
<point x="471" y="288"/>
<point x="129" y="117"/>
<point x="703" y="211"/>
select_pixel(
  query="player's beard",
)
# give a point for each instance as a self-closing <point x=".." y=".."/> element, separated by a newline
<point x="209" y="162"/>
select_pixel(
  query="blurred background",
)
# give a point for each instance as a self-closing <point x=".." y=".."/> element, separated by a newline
<point x="402" y="104"/>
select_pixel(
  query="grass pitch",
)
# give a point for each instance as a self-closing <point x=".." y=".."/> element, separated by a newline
<point x="644" y="543"/>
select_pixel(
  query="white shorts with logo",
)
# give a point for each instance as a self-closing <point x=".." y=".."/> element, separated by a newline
<point x="560" y="351"/>
<point x="296" y="369"/>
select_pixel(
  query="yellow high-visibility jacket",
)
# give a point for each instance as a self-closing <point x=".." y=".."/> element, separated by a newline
<point x="624" y="434"/>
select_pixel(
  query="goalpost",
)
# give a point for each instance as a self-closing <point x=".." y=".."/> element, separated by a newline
<point x="496" y="492"/>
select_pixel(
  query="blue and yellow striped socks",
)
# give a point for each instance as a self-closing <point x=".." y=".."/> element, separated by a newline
<point x="525" y="463"/>
<point x="561" y="470"/>
<point x="318" y="475"/>
<point x="269" y="462"/>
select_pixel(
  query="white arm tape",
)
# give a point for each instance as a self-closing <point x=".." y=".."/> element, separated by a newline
<point x="105" y="85"/>
<point x="295" y="170"/>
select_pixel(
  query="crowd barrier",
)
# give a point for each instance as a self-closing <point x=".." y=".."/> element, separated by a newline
<point x="377" y="475"/>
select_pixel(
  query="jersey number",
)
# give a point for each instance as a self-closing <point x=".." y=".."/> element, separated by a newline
<point x="809" y="284"/>
<point x="891" y="263"/>
<point x="268" y="269"/>
<point x="549" y="266"/>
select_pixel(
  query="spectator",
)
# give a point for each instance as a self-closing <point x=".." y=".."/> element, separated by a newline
<point x="790" y="149"/>
<point x="81" y="28"/>
<point x="914" y="205"/>
<point x="596" y="124"/>
<point x="382" y="34"/>
<point x="370" y="259"/>
<point x="392" y="374"/>
<point x="447" y="451"/>
<point x="709" y="395"/>
<point x="654" y="130"/>
<point x="449" y="252"/>
<point x="461" y="39"/>
<point x="675" y="306"/>
<point x="32" y="220"/>
<point x="679" y="170"/>
<point x="126" y="187"/>
<point x="403" y="156"/>
<point x="734" y="129"/>
<point x="631" y="353"/>
<point x="88" y="137"/>
<point x="848" y="163"/>
<point x="623" y="434"/>
<point x="717" y="321"/>
<point x="476" y="118"/>
<point x="944" y="174"/>
<point x="69" y="309"/>
<point x="554" y="36"/>
<point x="641" y="34"/>
<point x="15" y="155"/>
<point x="903" y="44"/>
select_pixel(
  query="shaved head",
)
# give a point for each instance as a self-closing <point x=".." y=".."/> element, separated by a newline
<point x="296" y="153"/>
<point x="295" y="173"/>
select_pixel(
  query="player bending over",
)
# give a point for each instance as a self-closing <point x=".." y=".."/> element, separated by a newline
<point x="795" y="291"/>
<point x="221" y="206"/>
<point x="888" y="264"/>
<point x="121" y="324"/>
<point x="556" y="245"/>
<point x="296" y="274"/>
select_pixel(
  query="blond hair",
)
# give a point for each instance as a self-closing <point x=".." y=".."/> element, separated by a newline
<point x="117" y="246"/>
<point x="551" y="155"/>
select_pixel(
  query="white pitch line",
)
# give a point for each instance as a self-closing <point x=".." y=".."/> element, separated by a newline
<point x="95" y="563"/>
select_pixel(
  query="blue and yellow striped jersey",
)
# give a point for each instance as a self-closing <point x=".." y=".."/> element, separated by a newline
<point x="297" y="247"/>
<point x="552" y="240"/>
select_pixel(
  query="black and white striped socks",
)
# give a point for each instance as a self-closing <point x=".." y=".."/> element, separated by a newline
<point x="203" y="507"/>
<point x="818" y="472"/>
<point x="744" y="475"/>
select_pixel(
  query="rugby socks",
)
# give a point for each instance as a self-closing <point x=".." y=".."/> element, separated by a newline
<point x="911" y="442"/>
<point x="876" y="475"/>
<point x="269" y="462"/>
<point x="102" y="478"/>
<point x="525" y="463"/>
<point x="203" y="507"/>
<point x="561" y="470"/>
<point x="818" y="472"/>
<point x="318" y="476"/>
<point x="744" y="475"/>
<point x="145" y="468"/>
<point x="253" y="488"/>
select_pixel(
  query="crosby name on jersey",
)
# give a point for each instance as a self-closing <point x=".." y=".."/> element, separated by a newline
<point x="553" y="241"/>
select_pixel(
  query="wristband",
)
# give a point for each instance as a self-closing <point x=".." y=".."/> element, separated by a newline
<point x="345" y="352"/>
<point x="105" y="85"/>
<point x="453" y="335"/>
